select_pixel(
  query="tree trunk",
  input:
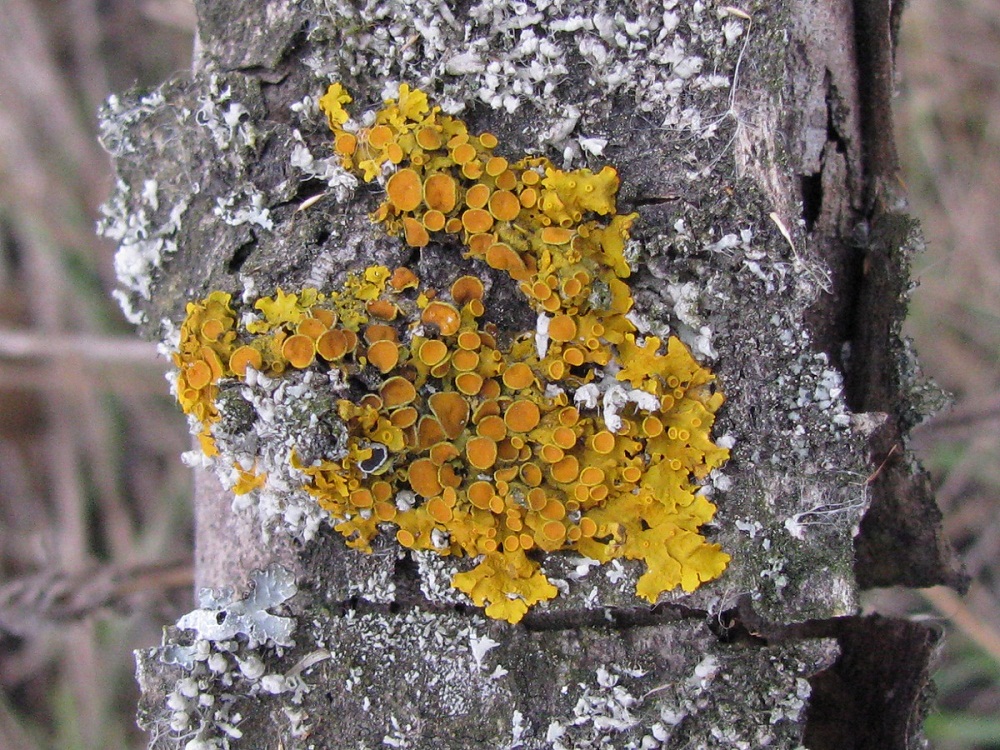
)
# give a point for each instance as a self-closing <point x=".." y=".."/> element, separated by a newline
<point x="754" y="143"/>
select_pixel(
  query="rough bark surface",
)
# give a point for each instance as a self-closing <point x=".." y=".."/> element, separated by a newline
<point x="758" y="155"/>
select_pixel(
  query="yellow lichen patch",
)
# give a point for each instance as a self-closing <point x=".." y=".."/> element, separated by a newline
<point x="480" y="423"/>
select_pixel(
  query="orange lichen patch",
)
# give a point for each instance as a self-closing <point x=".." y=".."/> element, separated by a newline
<point x="556" y="235"/>
<point x="404" y="189"/>
<point x="477" y="196"/>
<point x="442" y="452"/>
<point x="496" y="165"/>
<point x="448" y="477"/>
<point x="299" y="350"/>
<point x="311" y="327"/>
<point x="566" y="470"/>
<point x="506" y="181"/>
<point x="602" y="442"/>
<point x="652" y="426"/>
<point x="491" y="426"/>
<point x="632" y="474"/>
<point x="351" y="340"/>
<point x="480" y="493"/>
<point x="444" y="316"/>
<point x="372" y="401"/>
<point x="327" y="317"/>
<point x="397" y="391"/>
<point x="362" y="498"/>
<point x="477" y="220"/>
<point x="531" y="474"/>
<point x="433" y="352"/>
<point x="481" y="452"/>
<point x="562" y="328"/>
<point x="377" y="308"/>
<point x="569" y="416"/>
<point x="212" y="328"/>
<point x="415" y="233"/>
<point x="518" y="376"/>
<point x="469" y="383"/>
<point x="551" y="453"/>
<point x="528" y="197"/>
<point x="429" y="139"/>
<point x="452" y="411"/>
<point x="346" y="144"/>
<point x="385" y="511"/>
<point x="504" y="205"/>
<point x="423" y="478"/>
<point x="591" y="476"/>
<point x="440" y="192"/>
<point x="463" y="153"/>
<point x="434" y="221"/>
<point x="332" y="345"/>
<point x="522" y="416"/>
<point x="499" y="255"/>
<point x="245" y="356"/>
<point x="438" y="509"/>
<point x="429" y="433"/>
<point x="198" y="374"/>
<point x="379" y="136"/>
<point x="573" y="356"/>
<point x="406" y="538"/>
<point x="379" y="332"/>
<point x="464" y="360"/>
<point x="469" y="341"/>
<point x="554" y="531"/>
<point x="564" y="437"/>
<point x="384" y="355"/>
<point x="403" y="417"/>
<point x="465" y="289"/>
<point x="394" y="152"/>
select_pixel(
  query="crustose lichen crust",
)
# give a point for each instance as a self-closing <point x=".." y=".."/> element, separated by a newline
<point x="577" y="435"/>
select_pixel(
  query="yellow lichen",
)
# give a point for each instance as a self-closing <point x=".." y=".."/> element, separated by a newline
<point x="502" y="464"/>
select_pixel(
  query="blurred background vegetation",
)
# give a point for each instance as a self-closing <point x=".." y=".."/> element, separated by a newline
<point x="95" y="519"/>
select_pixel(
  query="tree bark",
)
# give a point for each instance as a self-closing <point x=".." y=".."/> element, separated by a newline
<point x="755" y="144"/>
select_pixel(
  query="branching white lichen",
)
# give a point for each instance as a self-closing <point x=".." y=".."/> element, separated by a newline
<point x="224" y="663"/>
<point x="508" y="56"/>
<point x="143" y="240"/>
